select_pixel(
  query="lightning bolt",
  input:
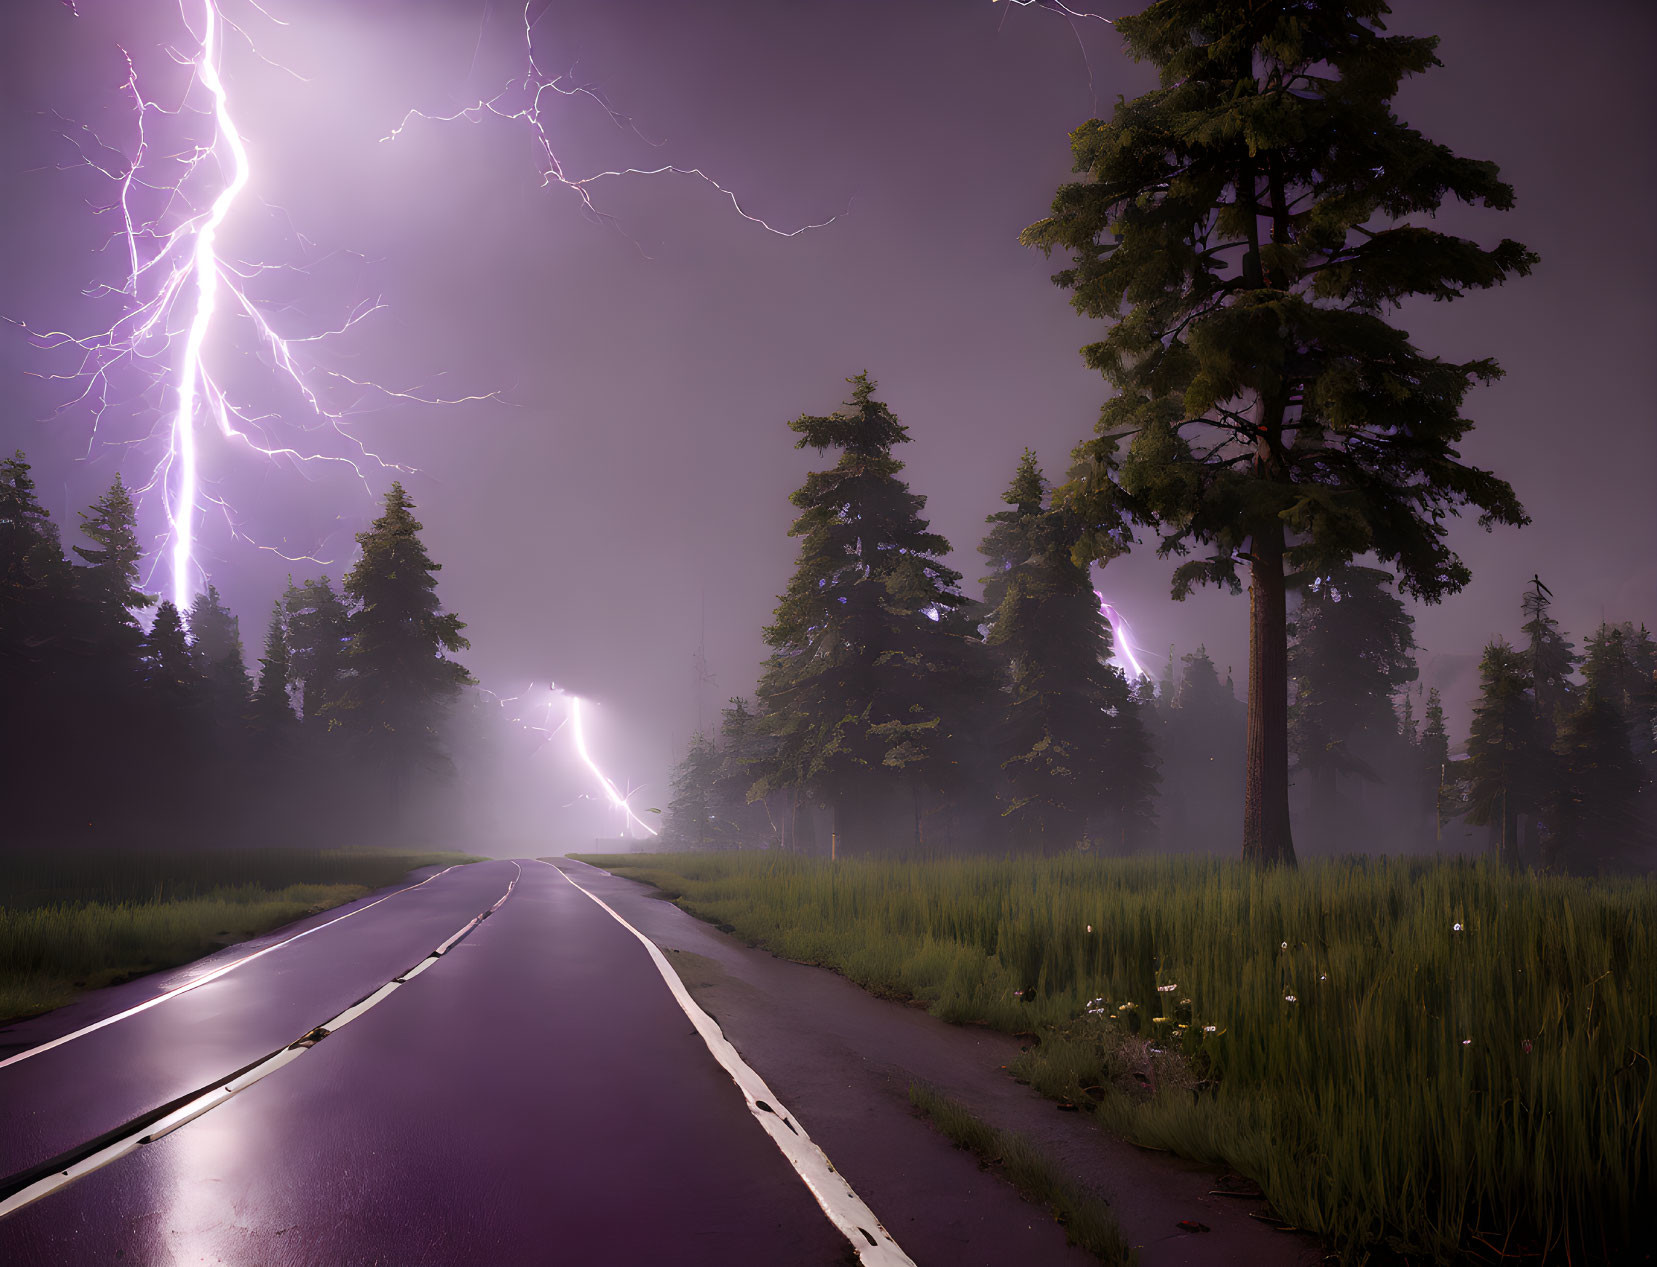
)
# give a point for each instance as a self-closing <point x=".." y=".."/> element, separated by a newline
<point x="616" y="799"/>
<point x="578" y="738"/>
<point x="1056" y="7"/>
<point x="1124" y="652"/>
<point x="177" y="186"/>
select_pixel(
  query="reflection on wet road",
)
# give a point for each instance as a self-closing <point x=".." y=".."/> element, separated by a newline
<point x="536" y="1096"/>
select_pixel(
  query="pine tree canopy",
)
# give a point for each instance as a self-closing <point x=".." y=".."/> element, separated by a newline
<point x="1353" y="648"/>
<point x="1246" y="227"/>
<point x="400" y="634"/>
<point x="317" y="636"/>
<point x="1550" y="655"/>
<point x="110" y="577"/>
<point x="1593" y="816"/>
<point x="869" y="646"/>
<point x="167" y="664"/>
<point x="1621" y="666"/>
<point x="272" y="707"/>
<point x="216" y="645"/>
<point x="1008" y="542"/>
<point x="1506" y="749"/>
<point x="1071" y="730"/>
<point x="34" y="575"/>
<point x="691" y="822"/>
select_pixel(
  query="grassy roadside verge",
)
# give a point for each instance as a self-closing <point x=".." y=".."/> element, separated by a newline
<point x="1087" y="1221"/>
<point x="1437" y="1060"/>
<point x="77" y="921"/>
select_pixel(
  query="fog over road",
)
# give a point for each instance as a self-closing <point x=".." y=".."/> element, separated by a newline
<point x="536" y="1096"/>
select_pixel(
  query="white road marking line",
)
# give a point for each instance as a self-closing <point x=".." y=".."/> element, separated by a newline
<point x="214" y="975"/>
<point x="217" y="1094"/>
<point x="845" y="1209"/>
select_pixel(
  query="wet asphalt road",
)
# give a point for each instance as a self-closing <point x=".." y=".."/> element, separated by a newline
<point x="535" y="1097"/>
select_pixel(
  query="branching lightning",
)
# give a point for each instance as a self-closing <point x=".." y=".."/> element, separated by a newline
<point x="524" y="100"/>
<point x="1124" y="652"/>
<point x="616" y="798"/>
<point x="572" y="719"/>
<point x="177" y="184"/>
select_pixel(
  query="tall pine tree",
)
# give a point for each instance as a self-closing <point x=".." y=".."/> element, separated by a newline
<point x="109" y="581"/>
<point x="874" y="671"/>
<point x="402" y="681"/>
<point x="1551" y="658"/>
<point x="691" y="819"/>
<point x="318" y="635"/>
<point x="1506" y="756"/>
<point x="1621" y="664"/>
<point x="1248" y="227"/>
<point x="1594" y="820"/>
<point x="272" y="713"/>
<point x="1075" y="745"/>
<point x="34" y="575"/>
<point x="216" y="646"/>
<point x="1353" y="648"/>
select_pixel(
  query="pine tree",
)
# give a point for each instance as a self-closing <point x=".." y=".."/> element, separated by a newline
<point x="1353" y="648"/>
<point x="1434" y="757"/>
<point x="216" y="646"/>
<point x="1076" y="747"/>
<point x="401" y="682"/>
<point x="746" y="752"/>
<point x="1257" y="217"/>
<point x="318" y="635"/>
<point x="1551" y="658"/>
<point x="1593" y="814"/>
<point x="691" y="819"/>
<point x="1009" y="543"/>
<point x="35" y="583"/>
<point x="272" y="708"/>
<point x="1201" y="743"/>
<point x="1621" y="665"/>
<point x="169" y="668"/>
<point x="874" y="667"/>
<point x="109" y="580"/>
<point x="1506" y="756"/>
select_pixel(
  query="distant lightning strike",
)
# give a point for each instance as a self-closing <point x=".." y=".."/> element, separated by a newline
<point x="610" y="790"/>
<point x="578" y="737"/>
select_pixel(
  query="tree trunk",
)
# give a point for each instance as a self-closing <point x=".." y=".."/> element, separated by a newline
<point x="1266" y="837"/>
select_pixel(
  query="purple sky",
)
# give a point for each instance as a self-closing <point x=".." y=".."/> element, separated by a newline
<point x="643" y="463"/>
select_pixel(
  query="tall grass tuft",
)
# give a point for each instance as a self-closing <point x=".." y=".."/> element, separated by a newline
<point x="75" y="921"/>
<point x="1435" y="1058"/>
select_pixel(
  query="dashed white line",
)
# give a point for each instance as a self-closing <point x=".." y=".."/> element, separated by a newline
<point x="150" y="1128"/>
<point x="214" y="975"/>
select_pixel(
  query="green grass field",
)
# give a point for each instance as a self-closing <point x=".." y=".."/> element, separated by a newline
<point x="1434" y="1060"/>
<point x="74" y="921"/>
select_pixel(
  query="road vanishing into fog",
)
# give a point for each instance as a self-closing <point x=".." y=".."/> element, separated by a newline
<point x="534" y="1095"/>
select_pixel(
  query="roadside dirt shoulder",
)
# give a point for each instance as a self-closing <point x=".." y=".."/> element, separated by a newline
<point x="842" y="1060"/>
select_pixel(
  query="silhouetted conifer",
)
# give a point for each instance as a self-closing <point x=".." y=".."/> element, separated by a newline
<point x="1246" y="227"/>
<point x="1075" y="745"/>
<point x="875" y="671"/>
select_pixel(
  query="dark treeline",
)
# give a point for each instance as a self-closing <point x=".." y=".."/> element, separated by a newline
<point x="116" y="732"/>
<point x="895" y="714"/>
